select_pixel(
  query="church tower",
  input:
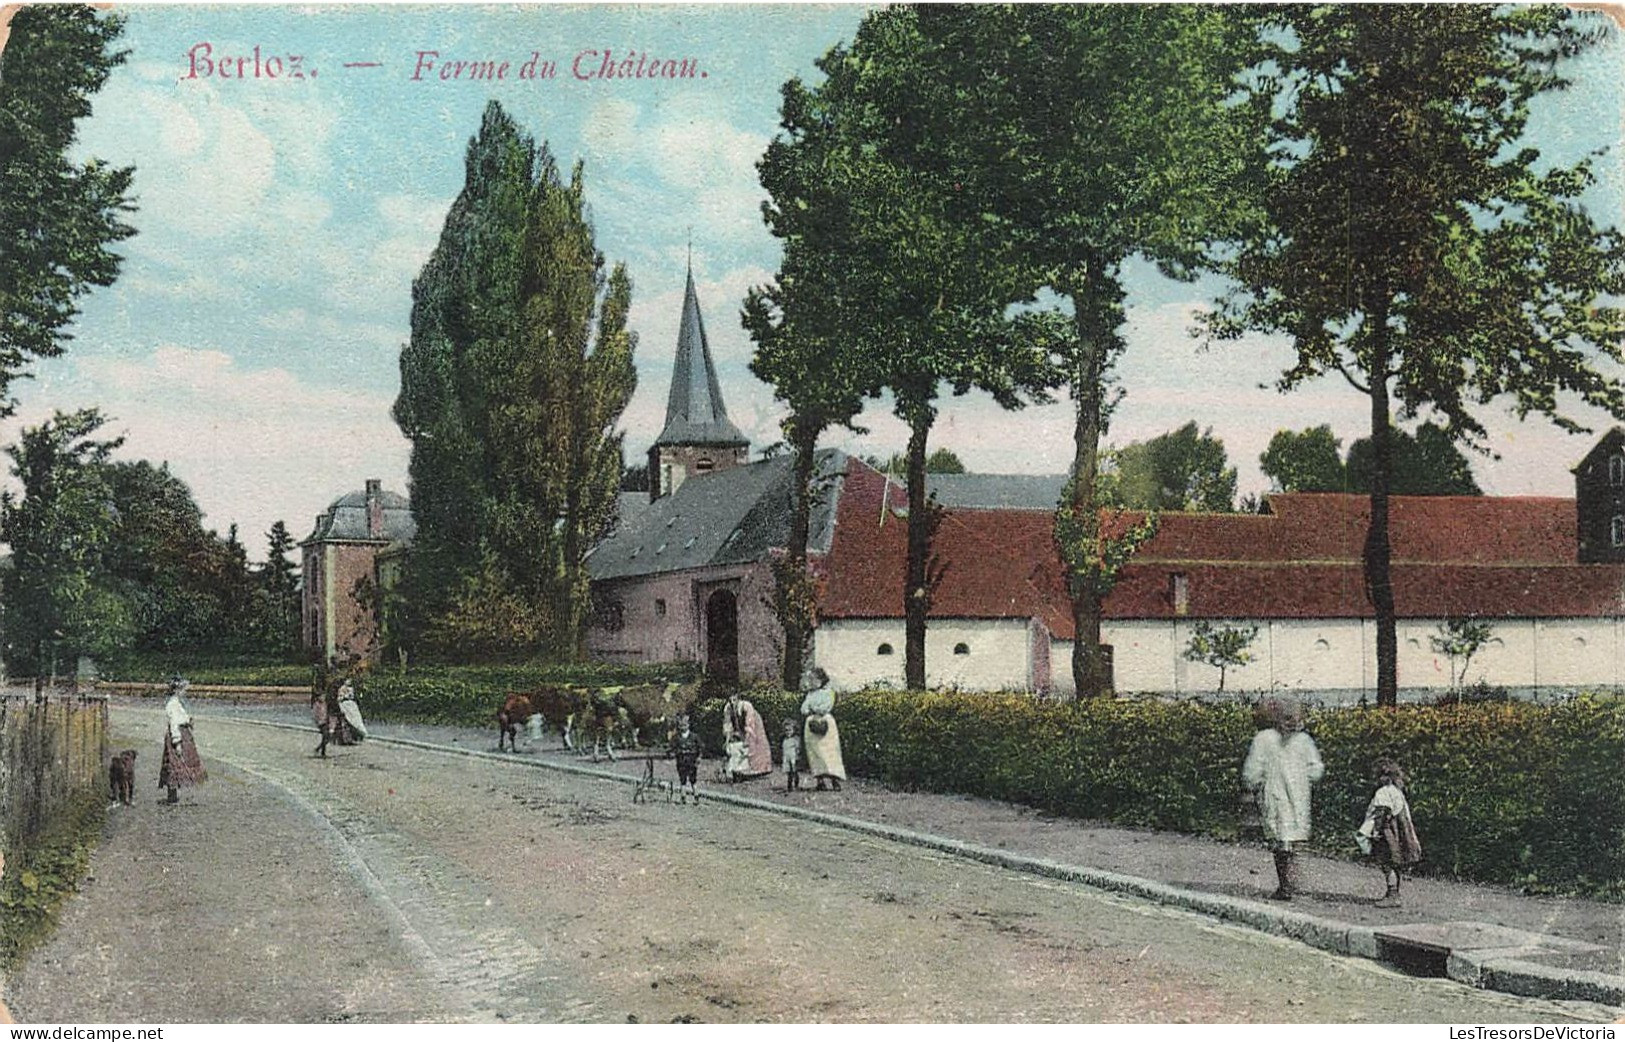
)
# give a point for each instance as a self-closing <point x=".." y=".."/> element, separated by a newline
<point x="698" y="437"/>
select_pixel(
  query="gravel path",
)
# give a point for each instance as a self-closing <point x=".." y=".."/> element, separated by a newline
<point x="391" y="884"/>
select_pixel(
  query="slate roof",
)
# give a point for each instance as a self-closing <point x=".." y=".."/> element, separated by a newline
<point x="695" y="413"/>
<point x="346" y="520"/>
<point x="997" y="491"/>
<point x="1495" y="557"/>
<point x="733" y="516"/>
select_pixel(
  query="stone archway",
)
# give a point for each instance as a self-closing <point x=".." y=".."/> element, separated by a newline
<point x="722" y="636"/>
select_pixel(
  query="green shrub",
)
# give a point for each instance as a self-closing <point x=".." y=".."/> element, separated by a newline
<point x="469" y="696"/>
<point x="39" y="877"/>
<point x="1506" y="792"/>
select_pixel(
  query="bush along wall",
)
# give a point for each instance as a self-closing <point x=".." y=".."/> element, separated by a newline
<point x="469" y="696"/>
<point x="1517" y="793"/>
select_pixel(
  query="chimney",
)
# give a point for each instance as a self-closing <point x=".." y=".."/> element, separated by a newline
<point x="375" y="509"/>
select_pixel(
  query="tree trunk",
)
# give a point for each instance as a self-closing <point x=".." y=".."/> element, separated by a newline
<point x="796" y="626"/>
<point x="1379" y="577"/>
<point x="916" y="595"/>
<point x="1087" y="603"/>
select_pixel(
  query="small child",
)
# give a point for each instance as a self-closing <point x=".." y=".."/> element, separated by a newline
<point x="792" y="757"/>
<point x="1388" y="834"/>
<point x="686" y="750"/>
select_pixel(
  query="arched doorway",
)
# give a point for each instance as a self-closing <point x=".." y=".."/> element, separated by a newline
<point x="722" y="636"/>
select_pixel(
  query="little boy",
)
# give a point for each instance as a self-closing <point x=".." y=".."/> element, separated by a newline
<point x="686" y="749"/>
<point x="792" y="757"/>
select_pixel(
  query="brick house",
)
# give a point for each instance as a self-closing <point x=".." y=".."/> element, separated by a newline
<point x="341" y="566"/>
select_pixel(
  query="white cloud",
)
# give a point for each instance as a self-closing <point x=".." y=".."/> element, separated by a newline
<point x="254" y="445"/>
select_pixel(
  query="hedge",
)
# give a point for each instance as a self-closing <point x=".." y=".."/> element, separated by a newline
<point x="1514" y="792"/>
<point x="469" y="696"/>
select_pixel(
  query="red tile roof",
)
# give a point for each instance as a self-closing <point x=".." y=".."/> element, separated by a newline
<point x="1505" y="557"/>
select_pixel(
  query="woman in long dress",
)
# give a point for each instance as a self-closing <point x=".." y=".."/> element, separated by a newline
<point x="745" y="739"/>
<point x="1281" y="767"/>
<point x="181" y="767"/>
<point x="820" y="737"/>
<point x="355" y="728"/>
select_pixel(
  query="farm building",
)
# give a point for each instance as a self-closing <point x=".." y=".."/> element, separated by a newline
<point x="688" y="575"/>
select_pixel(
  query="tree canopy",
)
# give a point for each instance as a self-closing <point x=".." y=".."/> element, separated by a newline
<point x="1427" y="463"/>
<point x="512" y="387"/>
<point x="1079" y="137"/>
<point x="1184" y="469"/>
<point x="57" y="217"/>
<point x="1412" y="243"/>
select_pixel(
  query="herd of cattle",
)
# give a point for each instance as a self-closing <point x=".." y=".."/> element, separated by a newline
<point x="605" y="715"/>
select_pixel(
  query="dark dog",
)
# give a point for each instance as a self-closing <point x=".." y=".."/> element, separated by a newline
<point x="121" y="777"/>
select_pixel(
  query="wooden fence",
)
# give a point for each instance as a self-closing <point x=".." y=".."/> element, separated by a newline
<point x="53" y="753"/>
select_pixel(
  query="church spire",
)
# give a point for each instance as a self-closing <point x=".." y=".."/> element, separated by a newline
<point x="695" y="413"/>
<point x="698" y="437"/>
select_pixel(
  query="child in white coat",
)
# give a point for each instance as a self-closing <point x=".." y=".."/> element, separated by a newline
<point x="1280" y="768"/>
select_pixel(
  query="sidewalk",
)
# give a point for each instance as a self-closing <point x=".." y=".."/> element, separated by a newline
<point x="1228" y="879"/>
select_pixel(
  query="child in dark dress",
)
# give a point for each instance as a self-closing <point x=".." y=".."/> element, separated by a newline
<point x="686" y="749"/>
<point x="1388" y="835"/>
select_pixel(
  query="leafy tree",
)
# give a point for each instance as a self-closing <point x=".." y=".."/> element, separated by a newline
<point x="1459" y="640"/>
<point x="1080" y="137"/>
<point x="1428" y="464"/>
<point x="1413" y="243"/>
<point x="1221" y="647"/>
<point x="1181" y="470"/>
<point x="162" y="561"/>
<point x="917" y="303"/>
<point x="279" y="592"/>
<point x="518" y="369"/>
<point x="57" y="217"/>
<point x="941" y="461"/>
<point x="59" y="602"/>
<point x="1309" y="460"/>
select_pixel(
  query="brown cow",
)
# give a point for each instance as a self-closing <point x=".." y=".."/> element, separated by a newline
<point x="552" y="707"/>
<point x="516" y="709"/>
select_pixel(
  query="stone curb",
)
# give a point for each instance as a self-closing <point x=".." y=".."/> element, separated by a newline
<point x="1514" y="976"/>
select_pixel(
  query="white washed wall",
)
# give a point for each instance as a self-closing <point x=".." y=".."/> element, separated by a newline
<point x="1291" y="655"/>
<point x="998" y="658"/>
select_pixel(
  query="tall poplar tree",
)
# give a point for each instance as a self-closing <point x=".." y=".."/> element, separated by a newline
<point x="519" y="367"/>
<point x="1415" y="244"/>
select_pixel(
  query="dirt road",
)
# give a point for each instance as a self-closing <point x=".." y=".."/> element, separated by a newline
<point x="389" y="884"/>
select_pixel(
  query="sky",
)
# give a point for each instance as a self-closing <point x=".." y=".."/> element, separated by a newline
<point x="252" y="340"/>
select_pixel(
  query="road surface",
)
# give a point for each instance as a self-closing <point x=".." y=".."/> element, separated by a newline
<point x="390" y="884"/>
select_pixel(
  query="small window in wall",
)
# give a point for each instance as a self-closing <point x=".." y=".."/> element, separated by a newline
<point x="1616" y="530"/>
<point x="1616" y="471"/>
<point x="961" y="649"/>
<point x="703" y="466"/>
<point x="1579" y="642"/>
<point x="1323" y="644"/>
<point x="660" y="606"/>
<point x="884" y="649"/>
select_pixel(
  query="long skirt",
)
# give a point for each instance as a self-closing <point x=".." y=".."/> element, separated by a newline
<point x="354" y="729"/>
<point x="824" y="751"/>
<point x="759" y="755"/>
<point x="181" y="767"/>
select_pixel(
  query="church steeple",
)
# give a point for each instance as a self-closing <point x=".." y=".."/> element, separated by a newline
<point x="698" y="436"/>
